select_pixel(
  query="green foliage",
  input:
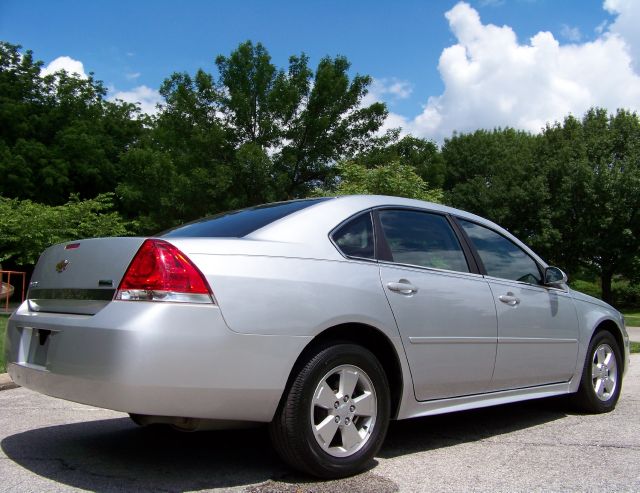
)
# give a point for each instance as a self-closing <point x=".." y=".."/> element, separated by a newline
<point x="58" y="135"/>
<point x="256" y="134"/>
<point x="593" y="169"/>
<point x="28" y="227"/>
<point x="592" y="288"/>
<point x="632" y="317"/>
<point x="495" y="174"/>
<point x="392" y="179"/>
<point x="572" y="193"/>
<point x="625" y="293"/>
<point x="421" y="155"/>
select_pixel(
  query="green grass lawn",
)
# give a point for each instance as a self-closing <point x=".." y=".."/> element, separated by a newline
<point x="632" y="317"/>
<point x="3" y="328"/>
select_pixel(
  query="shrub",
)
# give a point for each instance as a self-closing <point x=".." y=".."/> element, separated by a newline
<point x="27" y="228"/>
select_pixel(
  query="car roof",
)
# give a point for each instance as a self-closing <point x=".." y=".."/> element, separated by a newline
<point x="314" y="223"/>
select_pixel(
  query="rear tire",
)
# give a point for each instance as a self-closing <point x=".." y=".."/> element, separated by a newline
<point x="601" y="376"/>
<point x="334" y="415"/>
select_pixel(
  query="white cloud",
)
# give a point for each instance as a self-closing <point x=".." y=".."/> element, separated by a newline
<point x="64" y="63"/>
<point x="570" y="33"/>
<point x="626" y="25"/>
<point x="493" y="80"/>
<point x="400" y="89"/>
<point x="146" y="97"/>
<point x="387" y="90"/>
<point x="600" y="28"/>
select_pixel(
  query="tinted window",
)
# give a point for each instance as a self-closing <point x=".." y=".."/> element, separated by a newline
<point x="355" y="238"/>
<point x="236" y="224"/>
<point x="420" y="238"/>
<point x="501" y="257"/>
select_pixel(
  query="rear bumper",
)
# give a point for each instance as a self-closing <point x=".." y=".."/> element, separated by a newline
<point x="153" y="359"/>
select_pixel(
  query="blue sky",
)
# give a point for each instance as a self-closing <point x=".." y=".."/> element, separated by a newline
<point x="129" y="45"/>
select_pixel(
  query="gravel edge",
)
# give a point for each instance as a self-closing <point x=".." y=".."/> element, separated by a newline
<point x="6" y="383"/>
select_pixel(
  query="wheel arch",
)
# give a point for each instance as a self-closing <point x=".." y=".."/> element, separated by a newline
<point x="608" y="325"/>
<point x="366" y="336"/>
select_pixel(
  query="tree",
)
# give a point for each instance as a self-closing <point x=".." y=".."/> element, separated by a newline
<point x="255" y="134"/>
<point x="58" y="135"/>
<point x="28" y="227"/>
<point x="394" y="179"/>
<point x="421" y="155"/>
<point x="181" y="169"/>
<point x="308" y="120"/>
<point x="594" y="184"/>
<point x="497" y="174"/>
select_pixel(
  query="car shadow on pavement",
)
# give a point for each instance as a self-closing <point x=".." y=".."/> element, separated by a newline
<point x="115" y="454"/>
<point x="446" y="430"/>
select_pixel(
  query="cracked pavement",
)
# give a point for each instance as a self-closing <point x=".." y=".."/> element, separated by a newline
<point x="49" y="445"/>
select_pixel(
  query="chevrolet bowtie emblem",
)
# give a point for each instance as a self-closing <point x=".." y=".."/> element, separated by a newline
<point x="62" y="265"/>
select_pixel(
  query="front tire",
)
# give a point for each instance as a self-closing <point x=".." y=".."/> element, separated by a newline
<point x="601" y="376"/>
<point x="334" y="415"/>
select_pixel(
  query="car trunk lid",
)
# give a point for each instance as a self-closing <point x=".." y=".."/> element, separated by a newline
<point x="80" y="277"/>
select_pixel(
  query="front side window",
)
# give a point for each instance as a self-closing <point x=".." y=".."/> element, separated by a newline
<point x="355" y="238"/>
<point x="424" y="239"/>
<point x="501" y="257"/>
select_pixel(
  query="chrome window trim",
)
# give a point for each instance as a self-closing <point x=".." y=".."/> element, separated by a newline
<point x="446" y="217"/>
<point x="434" y="270"/>
<point x="523" y="284"/>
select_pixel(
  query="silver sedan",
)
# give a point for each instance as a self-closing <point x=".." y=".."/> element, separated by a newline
<point x="324" y="317"/>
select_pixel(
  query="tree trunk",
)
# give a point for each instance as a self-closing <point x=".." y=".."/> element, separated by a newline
<point x="605" y="280"/>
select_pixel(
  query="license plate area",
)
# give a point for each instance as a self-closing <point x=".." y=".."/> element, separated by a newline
<point x="34" y="346"/>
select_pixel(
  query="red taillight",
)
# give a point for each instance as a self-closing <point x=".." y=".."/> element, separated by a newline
<point x="161" y="272"/>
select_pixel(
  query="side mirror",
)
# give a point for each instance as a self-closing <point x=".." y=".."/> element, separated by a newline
<point x="554" y="277"/>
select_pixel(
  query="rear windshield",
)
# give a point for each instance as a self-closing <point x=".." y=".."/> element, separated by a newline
<point x="236" y="224"/>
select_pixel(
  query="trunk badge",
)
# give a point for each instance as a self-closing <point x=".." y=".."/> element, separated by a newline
<point x="62" y="265"/>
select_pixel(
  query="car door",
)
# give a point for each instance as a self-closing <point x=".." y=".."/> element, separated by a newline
<point x="444" y="311"/>
<point x="537" y="325"/>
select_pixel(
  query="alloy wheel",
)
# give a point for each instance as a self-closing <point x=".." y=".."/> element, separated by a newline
<point x="343" y="410"/>
<point x="604" y="373"/>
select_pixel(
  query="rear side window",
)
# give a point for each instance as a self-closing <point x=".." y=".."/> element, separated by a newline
<point x="500" y="256"/>
<point x="236" y="224"/>
<point x="424" y="239"/>
<point x="355" y="238"/>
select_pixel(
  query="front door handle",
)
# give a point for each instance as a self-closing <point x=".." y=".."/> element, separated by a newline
<point x="402" y="286"/>
<point x="509" y="299"/>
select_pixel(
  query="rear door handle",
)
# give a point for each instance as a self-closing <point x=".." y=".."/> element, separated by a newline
<point x="509" y="299"/>
<point x="403" y="286"/>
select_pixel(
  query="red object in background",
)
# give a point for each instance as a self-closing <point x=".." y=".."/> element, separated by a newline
<point x="8" y="294"/>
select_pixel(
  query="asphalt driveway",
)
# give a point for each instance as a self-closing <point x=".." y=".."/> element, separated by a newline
<point x="51" y="445"/>
<point x="634" y="333"/>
